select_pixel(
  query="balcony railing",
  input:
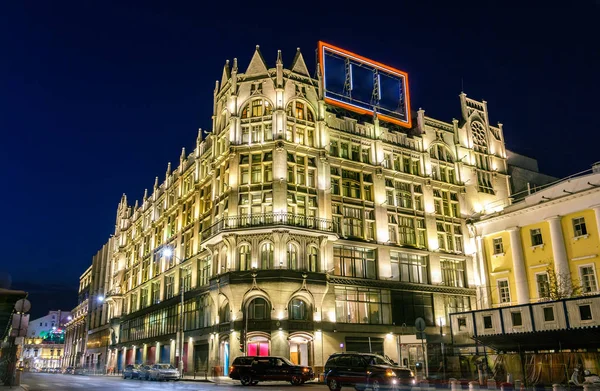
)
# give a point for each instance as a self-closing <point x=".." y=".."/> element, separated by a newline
<point x="267" y="220"/>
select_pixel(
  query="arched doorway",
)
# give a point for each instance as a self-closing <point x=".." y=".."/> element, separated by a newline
<point x="301" y="348"/>
<point x="258" y="345"/>
<point x="224" y="355"/>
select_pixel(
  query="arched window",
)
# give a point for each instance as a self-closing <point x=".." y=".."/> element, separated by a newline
<point x="299" y="310"/>
<point x="244" y="256"/>
<point x="300" y="128"/>
<point x="225" y="314"/>
<point x="292" y="256"/>
<point x="258" y="309"/>
<point x="313" y="259"/>
<point x="257" y="108"/>
<point x="266" y="256"/>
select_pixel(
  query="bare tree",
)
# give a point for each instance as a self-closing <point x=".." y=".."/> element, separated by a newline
<point x="560" y="286"/>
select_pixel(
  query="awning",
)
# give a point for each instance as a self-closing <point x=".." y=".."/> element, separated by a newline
<point x="580" y="338"/>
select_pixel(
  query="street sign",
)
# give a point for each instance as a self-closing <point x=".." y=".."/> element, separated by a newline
<point x="421" y="335"/>
<point x="22" y="305"/>
<point x="420" y="324"/>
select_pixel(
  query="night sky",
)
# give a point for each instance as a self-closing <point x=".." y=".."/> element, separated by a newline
<point x="97" y="97"/>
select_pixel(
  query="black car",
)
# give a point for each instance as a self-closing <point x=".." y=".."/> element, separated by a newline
<point x="131" y="372"/>
<point x="251" y="370"/>
<point x="365" y="370"/>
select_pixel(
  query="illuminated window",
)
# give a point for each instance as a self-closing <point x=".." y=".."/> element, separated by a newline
<point x="354" y="262"/>
<point x="453" y="272"/>
<point x="362" y="305"/>
<point x="503" y="291"/>
<point x="299" y="310"/>
<point x="258" y="309"/>
<point x="313" y="259"/>
<point x="266" y="256"/>
<point x="244" y="257"/>
<point x="292" y="256"/>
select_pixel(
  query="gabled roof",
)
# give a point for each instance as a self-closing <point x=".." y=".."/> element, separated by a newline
<point x="298" y="64"/>
<point x="257" y="65"/>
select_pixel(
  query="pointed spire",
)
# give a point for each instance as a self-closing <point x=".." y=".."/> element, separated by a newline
<point x="123" y="201"/>
<point x="298" y="64"/>
<point x="235" y="66"/>
<point x="279" y="60"/>
<point x="279" y="75"/>
<point x="135" y="207"/>
<point x="257" y="65"/>
<point x="168" y="170"/>
<point x="145" y="195"/>
<point x="226" y="73"/>
<point x="216" y="87"/>
<point x="155" y="183"/>
<point x="182" y="157"/>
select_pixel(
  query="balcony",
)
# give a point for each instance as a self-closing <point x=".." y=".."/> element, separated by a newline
<point x="265" y="221"/>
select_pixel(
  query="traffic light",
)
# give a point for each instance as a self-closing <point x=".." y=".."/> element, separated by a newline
<point x="243" y="341"/>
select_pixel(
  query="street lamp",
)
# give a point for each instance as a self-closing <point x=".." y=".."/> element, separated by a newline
<point x="168" y="252"/>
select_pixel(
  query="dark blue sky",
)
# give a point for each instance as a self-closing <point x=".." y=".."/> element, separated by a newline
<point x="97" y="97"/>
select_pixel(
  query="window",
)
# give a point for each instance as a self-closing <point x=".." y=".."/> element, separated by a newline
<point x="548" y="314"/>
<point x="244" y="257"/>
<point x="169" y="286"/>
<point x="155" y="292"/>
<point x="258" y="309"/>
<point x="362" y="305"/>
<point x="462" y="324"/>
<point x="585" y="312"/>
<point x="453" y="272"/>
<point x="579" y="227"/>
<point x="144" y="298"/>
<point x="266" y="256"/>
<point x="292" y="256"/>
<point x="225" y="314"/>
<point x="498" y="246"/>
<point x="536" y="237"/>
<point x="299" y="310"/>
<point x="313" y="259"/>
<point x="204" y="271"/>
<point x="409" y="267"/>
<point x="503" y="291"/>
<point x="543" y="285"/>
<point x="354" y="262"/>
<point x="588" y="279"/>
<point x="517" y="319"/>
<point x="487" y="322"/>
<point x="186" y="278"/>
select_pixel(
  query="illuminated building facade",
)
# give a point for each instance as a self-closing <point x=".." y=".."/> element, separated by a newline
<point x="76" y="327"/>
<point x="300" y="229"/>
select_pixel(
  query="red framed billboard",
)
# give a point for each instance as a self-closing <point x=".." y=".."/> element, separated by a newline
<point x="364" y="86"/>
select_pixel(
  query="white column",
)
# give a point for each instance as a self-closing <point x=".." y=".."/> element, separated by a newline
<point x="596" y="209"/>
<point x="519" y="266"/>
<point x="561" y="264"/>
<point x="483" y="274"/>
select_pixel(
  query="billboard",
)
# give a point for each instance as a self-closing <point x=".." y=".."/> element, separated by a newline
<point x="364" y="86"/>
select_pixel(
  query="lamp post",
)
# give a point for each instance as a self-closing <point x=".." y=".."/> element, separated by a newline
<point x="168" y="253"/>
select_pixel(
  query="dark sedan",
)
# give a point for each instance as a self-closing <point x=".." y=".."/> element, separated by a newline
<point x="131" y="372"/>
<point x="251" y="370"/>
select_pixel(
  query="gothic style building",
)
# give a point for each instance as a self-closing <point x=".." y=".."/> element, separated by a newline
<point x="296" y="228"/>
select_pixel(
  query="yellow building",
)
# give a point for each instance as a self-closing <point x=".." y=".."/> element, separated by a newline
<point x="544" y="247"/>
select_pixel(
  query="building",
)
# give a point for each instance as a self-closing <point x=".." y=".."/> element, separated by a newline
<point x="10" y="333"/>
<point x="300" y="228"/>
<point x="77" y="327"/>
<point x="44" y="326"/>
<point x="539" y="286"/>
<point x="547" y="242"/>
<point x="38" y="353"/>
<point x="525" y="176"/>
<point x="98" y="327"/>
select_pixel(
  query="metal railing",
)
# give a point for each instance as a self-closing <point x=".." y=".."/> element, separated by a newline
<point x="267" y="220"/>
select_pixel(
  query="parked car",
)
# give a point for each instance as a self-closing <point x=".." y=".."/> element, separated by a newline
<point x="163" y="372"/>
<point x="365" y="370"/>
<point x="144" y="371"/>
<point x="131" y="372"/>
<point x="69" y="370"/>
<point x="79" y="371"/>
<point x="251" y="370"/>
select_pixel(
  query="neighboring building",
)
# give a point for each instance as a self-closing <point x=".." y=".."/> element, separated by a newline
<point x="76" y="327"/>
<point x="525" y="176"/>
<point x="9" y="331"/>
<point x="98" y="327"/>
<point x="42" y="327"/>
<point x="300" y="229"/>
<point x="553" y="230"/>
<point x="38" y="353"/>
<point x="539" y="288"/>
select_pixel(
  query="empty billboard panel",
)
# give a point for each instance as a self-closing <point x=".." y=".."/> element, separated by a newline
<point x="364" y="86"/>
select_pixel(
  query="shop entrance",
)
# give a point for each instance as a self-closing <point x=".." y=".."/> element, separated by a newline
<point x="258" y="346"/>
<point x="299" y="350"/>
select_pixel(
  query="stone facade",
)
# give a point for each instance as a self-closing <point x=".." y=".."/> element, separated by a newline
<point x="299" y="229"/>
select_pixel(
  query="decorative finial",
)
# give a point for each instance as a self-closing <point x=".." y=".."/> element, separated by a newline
<point x="145" y="194"/>
<point x="156" y="183"/>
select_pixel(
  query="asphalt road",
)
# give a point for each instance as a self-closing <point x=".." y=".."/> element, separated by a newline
<point x="59" y="382"/>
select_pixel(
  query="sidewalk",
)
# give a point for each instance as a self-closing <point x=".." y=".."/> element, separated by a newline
<point x="15" y="388"/>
